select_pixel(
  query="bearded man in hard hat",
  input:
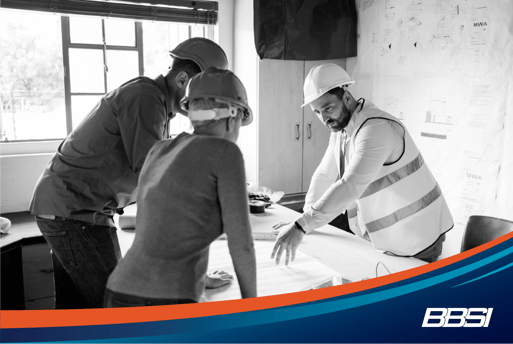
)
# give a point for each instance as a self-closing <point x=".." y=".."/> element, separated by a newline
<point x="95" y="170"/>
<point x="373" y="170"/>
<point x="192" y="190"/>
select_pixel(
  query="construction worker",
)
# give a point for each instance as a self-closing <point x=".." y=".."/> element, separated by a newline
<point x="95" y="170"/>
<point x="373" y="170"/>
<point x="192" y="189"/>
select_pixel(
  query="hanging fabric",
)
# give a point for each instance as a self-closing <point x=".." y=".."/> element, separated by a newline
<point x="305" y="29"/>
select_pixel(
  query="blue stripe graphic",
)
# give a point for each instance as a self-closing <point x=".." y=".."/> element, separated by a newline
<point x="288" y="323"/>
<point x="485" y="275"/>
<point x="338" y="305"/>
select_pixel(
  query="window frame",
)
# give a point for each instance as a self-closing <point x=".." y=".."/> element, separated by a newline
<point x="67" y="45"/>
<point x="215" y="30"/>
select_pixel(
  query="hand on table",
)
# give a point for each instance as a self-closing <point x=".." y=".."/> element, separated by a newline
<point x="288" y="240"/>
<point x="217" y="279"/>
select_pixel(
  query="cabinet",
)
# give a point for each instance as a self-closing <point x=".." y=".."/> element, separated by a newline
<point x="285" y="143"/>
<point x="291" y="140"/>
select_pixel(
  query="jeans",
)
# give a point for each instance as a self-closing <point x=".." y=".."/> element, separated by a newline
<point x="114" y="300"/>
<point x="83" y="255"/>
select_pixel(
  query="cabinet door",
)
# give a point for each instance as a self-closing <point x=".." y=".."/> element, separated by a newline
<point x="280" y="132"/>
<point x="316" y="135"/>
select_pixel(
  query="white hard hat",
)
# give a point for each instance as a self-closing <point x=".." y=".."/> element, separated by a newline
<point x="323" y="78"/>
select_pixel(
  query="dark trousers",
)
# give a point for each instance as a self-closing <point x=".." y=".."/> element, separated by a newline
<point x="83" y="255"/>
<point x="432" y="253"/>
<point x="114" y="300"/>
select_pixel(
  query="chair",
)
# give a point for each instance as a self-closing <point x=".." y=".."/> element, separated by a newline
<point x="482" y="229"/>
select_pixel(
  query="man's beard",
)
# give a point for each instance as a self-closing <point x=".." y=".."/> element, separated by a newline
<point x="342" y="120"/>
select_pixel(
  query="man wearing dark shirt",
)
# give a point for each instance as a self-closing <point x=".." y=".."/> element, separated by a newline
<point x="95" y="170"/>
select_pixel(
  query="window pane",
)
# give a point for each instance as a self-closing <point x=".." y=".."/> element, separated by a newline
<point x="197" y="30"/>
<point x="85" y="30"/>
<point x="183" y="32"/>
<point x="120" y="32"/>
<point x="123" y="66"/>
<point x="159" y="38"/>
<point x="34" y="117"/>
<point x="31" y="76"/>
<point x="86" y="70"/>
<point x="180" y="124"/>
<point x="81" y="106"/>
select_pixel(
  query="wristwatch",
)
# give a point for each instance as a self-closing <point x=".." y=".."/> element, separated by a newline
<point x="298" y="226"/>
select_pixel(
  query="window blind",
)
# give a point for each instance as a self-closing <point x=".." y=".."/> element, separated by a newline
<point x="181" y="11"/>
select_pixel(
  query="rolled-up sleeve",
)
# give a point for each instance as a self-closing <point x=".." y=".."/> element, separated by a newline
<point x="324" y="176"/>
<point x="374" y="143"/>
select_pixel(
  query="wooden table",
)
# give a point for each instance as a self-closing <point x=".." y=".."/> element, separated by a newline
<point x="326" y="252"/>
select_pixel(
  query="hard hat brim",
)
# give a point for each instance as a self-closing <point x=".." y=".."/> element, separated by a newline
<point x="184" y="104"/>
<point x="323" y="92"/>
<point x="196" y="60"/>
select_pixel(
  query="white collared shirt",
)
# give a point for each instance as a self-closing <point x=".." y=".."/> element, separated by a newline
<point x="378" y="141"/>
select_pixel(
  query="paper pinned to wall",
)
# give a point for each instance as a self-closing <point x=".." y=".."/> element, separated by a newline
<point x="444" y="68"/>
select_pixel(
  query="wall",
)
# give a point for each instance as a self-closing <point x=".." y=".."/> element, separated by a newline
<point x="225" y="28"/>
<point x="21" y="164"/>
<point x="246" y="68"/>
<point x="445" y="69"/>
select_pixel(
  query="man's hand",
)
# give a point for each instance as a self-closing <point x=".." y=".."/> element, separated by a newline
<point x="217" y="279"/>
<point x="289" y="239"/>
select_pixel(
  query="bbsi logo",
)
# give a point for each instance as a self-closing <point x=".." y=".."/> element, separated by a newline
<point x="457" y="317"/>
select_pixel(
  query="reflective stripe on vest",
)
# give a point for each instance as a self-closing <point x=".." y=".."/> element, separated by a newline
<point x="403" y="208"/>
<point x="351" y="213"/>
<point x="405" y="212"/>
<point x="352" y="219"/>
<point x="394" y="177"/>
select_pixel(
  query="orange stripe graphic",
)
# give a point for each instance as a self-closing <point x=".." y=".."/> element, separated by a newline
<point x="86" y="317"/>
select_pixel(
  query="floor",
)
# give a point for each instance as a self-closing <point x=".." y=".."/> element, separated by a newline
<point x="36" y="261"/>
<point x="37" y="276"/>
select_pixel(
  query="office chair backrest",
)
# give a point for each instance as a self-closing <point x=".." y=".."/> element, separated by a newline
<point x="482" y="229"/>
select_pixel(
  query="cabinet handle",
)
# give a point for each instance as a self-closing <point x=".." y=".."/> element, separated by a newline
<point x="309" y="129"/>
<point x="298" y="135"/>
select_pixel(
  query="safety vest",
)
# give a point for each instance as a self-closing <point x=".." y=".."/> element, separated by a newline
<point x="403" y="210"/>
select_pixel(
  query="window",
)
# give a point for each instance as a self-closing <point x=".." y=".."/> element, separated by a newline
<point x="55" y="68"/>
<point x="31" y="77"/>
<point x="101" y="54"/>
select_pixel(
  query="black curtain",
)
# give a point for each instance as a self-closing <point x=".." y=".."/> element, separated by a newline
<point x="305" y="29"/>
